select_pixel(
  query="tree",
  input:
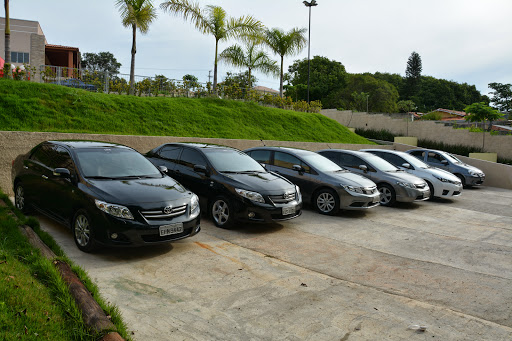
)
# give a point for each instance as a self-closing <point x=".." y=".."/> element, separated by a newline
<point x="100" y="62"/>
<point x="501" y="96"/>
<point x="251" y="58"/>
<point x="137" y="14"/>
<point x="190" y="81"/>
<point x="413" y="74"/>
<point x="285" y="44"/>
<point x="406" y="106"/>
<point x="327" y="78"/>
<point x="7" y="66"/>
<point x="480" y="112"/>
<point x="240" y="79"/>
<point x="213" y="20"/>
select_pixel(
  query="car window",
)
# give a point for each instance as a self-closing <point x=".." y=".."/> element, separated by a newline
<point x="435" y="157"/>
<point x="393" y="159"/>
<point x="190" y="157"/>
<point x="170" y="153"/>
<point x="262" y="156"/>
<point x="286" y="160"/>
<point x="63" y="159"/>
<point x="231" y="160"/>
<point x="418" y="154"/>
<point x="351" y="161"/>
<point x="331" y="155"/>
<point x="44" y="155"/>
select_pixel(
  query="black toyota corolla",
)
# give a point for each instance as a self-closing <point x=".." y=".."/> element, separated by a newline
<point x="229" y="183"/>
<point x="107" y="193"/>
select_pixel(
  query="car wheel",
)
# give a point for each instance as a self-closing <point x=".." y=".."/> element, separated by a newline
<point x="326" y="201"/>
<point x="462" y="179"/>
<point x="431" y="188"/>
<point x="19" y="198"/>
<point x="83" y="232"/>
<point x="222" y="213"/>
<point x="387" y="195"/>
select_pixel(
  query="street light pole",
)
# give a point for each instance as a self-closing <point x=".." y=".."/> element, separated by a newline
<point x="310" y="4"/>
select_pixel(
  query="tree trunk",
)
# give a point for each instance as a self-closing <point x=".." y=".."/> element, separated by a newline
<point x="8" y="74"/>
<point x="249" y="82"/>
<point x="132" y="66"/>
<point x="215" y="68"/>
<point x="281" y="79"/>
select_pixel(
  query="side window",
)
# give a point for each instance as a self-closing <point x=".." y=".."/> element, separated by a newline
<point x="170" y="153"/>
<point x="418" y="154"/>
<point x="393" y="159"/>
<point x="43" y="155"/>
<point x="333" y="156"/>
<point x="262" y="156"/>
<point x="190" y="158"/>
<point x="63" y="159"/>
<point x="288" y="161"/>
<point x="434" y="157"/>
<point x="351" y="161"/>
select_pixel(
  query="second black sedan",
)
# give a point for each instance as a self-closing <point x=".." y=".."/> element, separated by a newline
<point x="229" y="183"/>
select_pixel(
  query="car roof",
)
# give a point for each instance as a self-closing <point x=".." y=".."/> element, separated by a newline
<point x="78" y="144"/>
<point x="198" y="145"/>
<point x="390" y="151"/>
<point x="285" y="149"/>
<point x="353" y="152"/>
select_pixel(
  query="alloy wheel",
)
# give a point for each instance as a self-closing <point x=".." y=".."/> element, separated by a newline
<point x="82" y="230"/>
<point x="325" y="202"/>
<point x="220" y="212"/>
<point x="385" y="195"/>
<point x="20" y="198"/>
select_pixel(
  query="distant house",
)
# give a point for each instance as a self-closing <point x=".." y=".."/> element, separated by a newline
<point x="264" y="90"/>
<point x="29" y="46"/>
<point x="450" y="115"/>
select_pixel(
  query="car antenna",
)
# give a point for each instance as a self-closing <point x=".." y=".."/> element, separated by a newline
<point x="328" y="145"/>
<point x="263" y="143"/>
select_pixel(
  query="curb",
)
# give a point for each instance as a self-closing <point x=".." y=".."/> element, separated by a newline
<point x="94" y="317"/>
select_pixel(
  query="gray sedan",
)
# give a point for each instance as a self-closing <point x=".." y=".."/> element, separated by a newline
<point x="393" y="184"/>
<point x="323" y="183"/>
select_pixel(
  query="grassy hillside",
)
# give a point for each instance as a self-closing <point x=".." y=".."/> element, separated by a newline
<point x="26" y="106"/>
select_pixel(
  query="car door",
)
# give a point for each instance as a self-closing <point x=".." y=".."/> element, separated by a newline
<point x="197" y="182"/>
<point x="168" y="156"/>
<point x="395" y="160"/>
<point x="353" y="163"/>
<point x="437" y="160"/>
<point x="38" y="171"/>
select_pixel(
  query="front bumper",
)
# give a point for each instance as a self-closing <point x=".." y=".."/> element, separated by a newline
<point x="407" y="194"/>
<point x="358" y="201"/>
<point x="447" y="190"/>
<point x="250" y="211"/>
<point x="474" y="180"/>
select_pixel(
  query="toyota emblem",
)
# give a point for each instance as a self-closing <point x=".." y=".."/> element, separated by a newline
<point x="168" y="209"/>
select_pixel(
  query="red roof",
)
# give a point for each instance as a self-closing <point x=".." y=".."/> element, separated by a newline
<point x="453" y="112"/>
<point x="61" y="47"/>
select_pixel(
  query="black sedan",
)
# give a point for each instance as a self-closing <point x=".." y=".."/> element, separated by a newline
<point x="230" y="184"/>
<point x="107" y="193"/>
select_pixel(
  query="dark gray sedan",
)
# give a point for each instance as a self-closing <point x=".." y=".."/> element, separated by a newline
<point x="323" y="183"/>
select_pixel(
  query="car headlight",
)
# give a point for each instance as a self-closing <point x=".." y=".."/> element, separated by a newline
<point x="194" y="206"/>
<point x="299" y="196"/>
<point x="475" y="173"/>
<point x="353" y="189"/>
<point x="253" y="196"/>
<point x="405" y="184"/>
<point x="441" y="178"/>
<point x="114" y="210"/>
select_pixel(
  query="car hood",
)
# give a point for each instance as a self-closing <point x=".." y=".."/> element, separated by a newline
<point x="350" y="179"/>
<point x="404" y="177"/>
<point x="133" y="192"/>
<point x="265" y="183"/>
<point x="442" y="173"/>
<point x="470" y="168"/>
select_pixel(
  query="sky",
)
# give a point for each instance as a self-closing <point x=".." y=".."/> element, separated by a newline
<point x="466" y="41"/>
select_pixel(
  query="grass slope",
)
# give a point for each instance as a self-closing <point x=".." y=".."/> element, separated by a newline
<point x="26" y="106"/>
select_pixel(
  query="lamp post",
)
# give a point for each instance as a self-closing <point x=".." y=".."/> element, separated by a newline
<point x="310" y="4"/>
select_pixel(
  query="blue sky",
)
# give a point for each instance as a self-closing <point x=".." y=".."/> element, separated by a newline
<point x="461" y="40"/>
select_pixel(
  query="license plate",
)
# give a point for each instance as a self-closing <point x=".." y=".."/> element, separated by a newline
<point x="166" y="230"/>
<point x="376" y="199"/>
<point x="288" y="210"/>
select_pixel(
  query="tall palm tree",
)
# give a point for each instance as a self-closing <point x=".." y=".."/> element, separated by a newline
<point x="7" y="39"/>
<point x="213" y="20"/>
<point x="251" y="58"/>
<point x="137" y="14"/>
<point x="285" y="44"/>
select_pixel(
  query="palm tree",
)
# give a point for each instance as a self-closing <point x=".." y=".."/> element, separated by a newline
<point x="7" y="40"/>
<point x="285" y="44"/>
<point x="251" y="58"/>
<point x="137" y="14"/>
<point x="213" y="20"/>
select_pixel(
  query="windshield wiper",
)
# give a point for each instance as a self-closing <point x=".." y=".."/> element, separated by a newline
<point x="99" y="177"/>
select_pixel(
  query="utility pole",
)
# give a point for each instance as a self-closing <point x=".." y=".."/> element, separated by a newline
<point x="209" y="75"/>
<point x="310" y="4"/>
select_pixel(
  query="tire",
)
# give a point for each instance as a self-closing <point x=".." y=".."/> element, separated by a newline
<point x="431" y="188"/>
<point x="222" y="213"/>
<point x="387" y="195"/>
<point x="462" y="179"/>
<point x="83" y="232"/>
<point x="326" y="201"/>
<point x="20" y="199"/>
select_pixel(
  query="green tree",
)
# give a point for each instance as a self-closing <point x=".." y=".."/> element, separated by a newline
<point x="481" y="112"/>
<point x="327" y="78"/>
<point x="100" y="62"/>
<point x="213" y="20"/>
<point x="406" y="106"/>
<point x="501" y="96"/>
<point x="251" y="58"/>
<point x="241" y="79"/>
<point x="190" y="82"/>
<point x="7" y="66"/>
<point x="413" y="74"/>
<point x="285" y="44"/>
<point x="137" y="14"/>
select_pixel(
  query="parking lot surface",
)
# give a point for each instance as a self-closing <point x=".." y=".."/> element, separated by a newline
<point x="444" y="265"/>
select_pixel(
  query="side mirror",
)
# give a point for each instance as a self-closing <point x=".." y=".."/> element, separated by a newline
<point x="163" y="169"/>
<point x="444" y="162"/>
<point x="297" y="168"/>
<point x="363" y="168"/>
<point x="62" y="172"/>
<point x="201" y="169"/>
<point x="407" y="165"/>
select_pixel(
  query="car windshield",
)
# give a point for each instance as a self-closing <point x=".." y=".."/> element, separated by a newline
<point x="380" y="163"/>
<point x="115" y="163"/>
<point x="232" y="161"/>
<point x="453" y="158"/>
<point x="413" y="161"/>
<point x="321" y="163"/>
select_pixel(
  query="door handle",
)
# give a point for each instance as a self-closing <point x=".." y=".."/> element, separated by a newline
<point x="44" y="177"/>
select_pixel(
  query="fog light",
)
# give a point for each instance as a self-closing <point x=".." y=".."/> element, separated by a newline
<point x="252" y="214"/>
<point x="113" y="236"/>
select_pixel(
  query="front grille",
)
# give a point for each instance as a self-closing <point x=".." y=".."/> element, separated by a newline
<point x="282" y="198"/>
<point x="420" y="185"/>
<point x="160" y="214"/>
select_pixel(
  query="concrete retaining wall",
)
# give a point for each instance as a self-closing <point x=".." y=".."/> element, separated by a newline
<point x="501" y="144"/>
<point x="14" y="143"/>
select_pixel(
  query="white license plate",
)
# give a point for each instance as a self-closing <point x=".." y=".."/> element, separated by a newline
<point x="288" y="210"/>
<point x="166" y="230"/>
